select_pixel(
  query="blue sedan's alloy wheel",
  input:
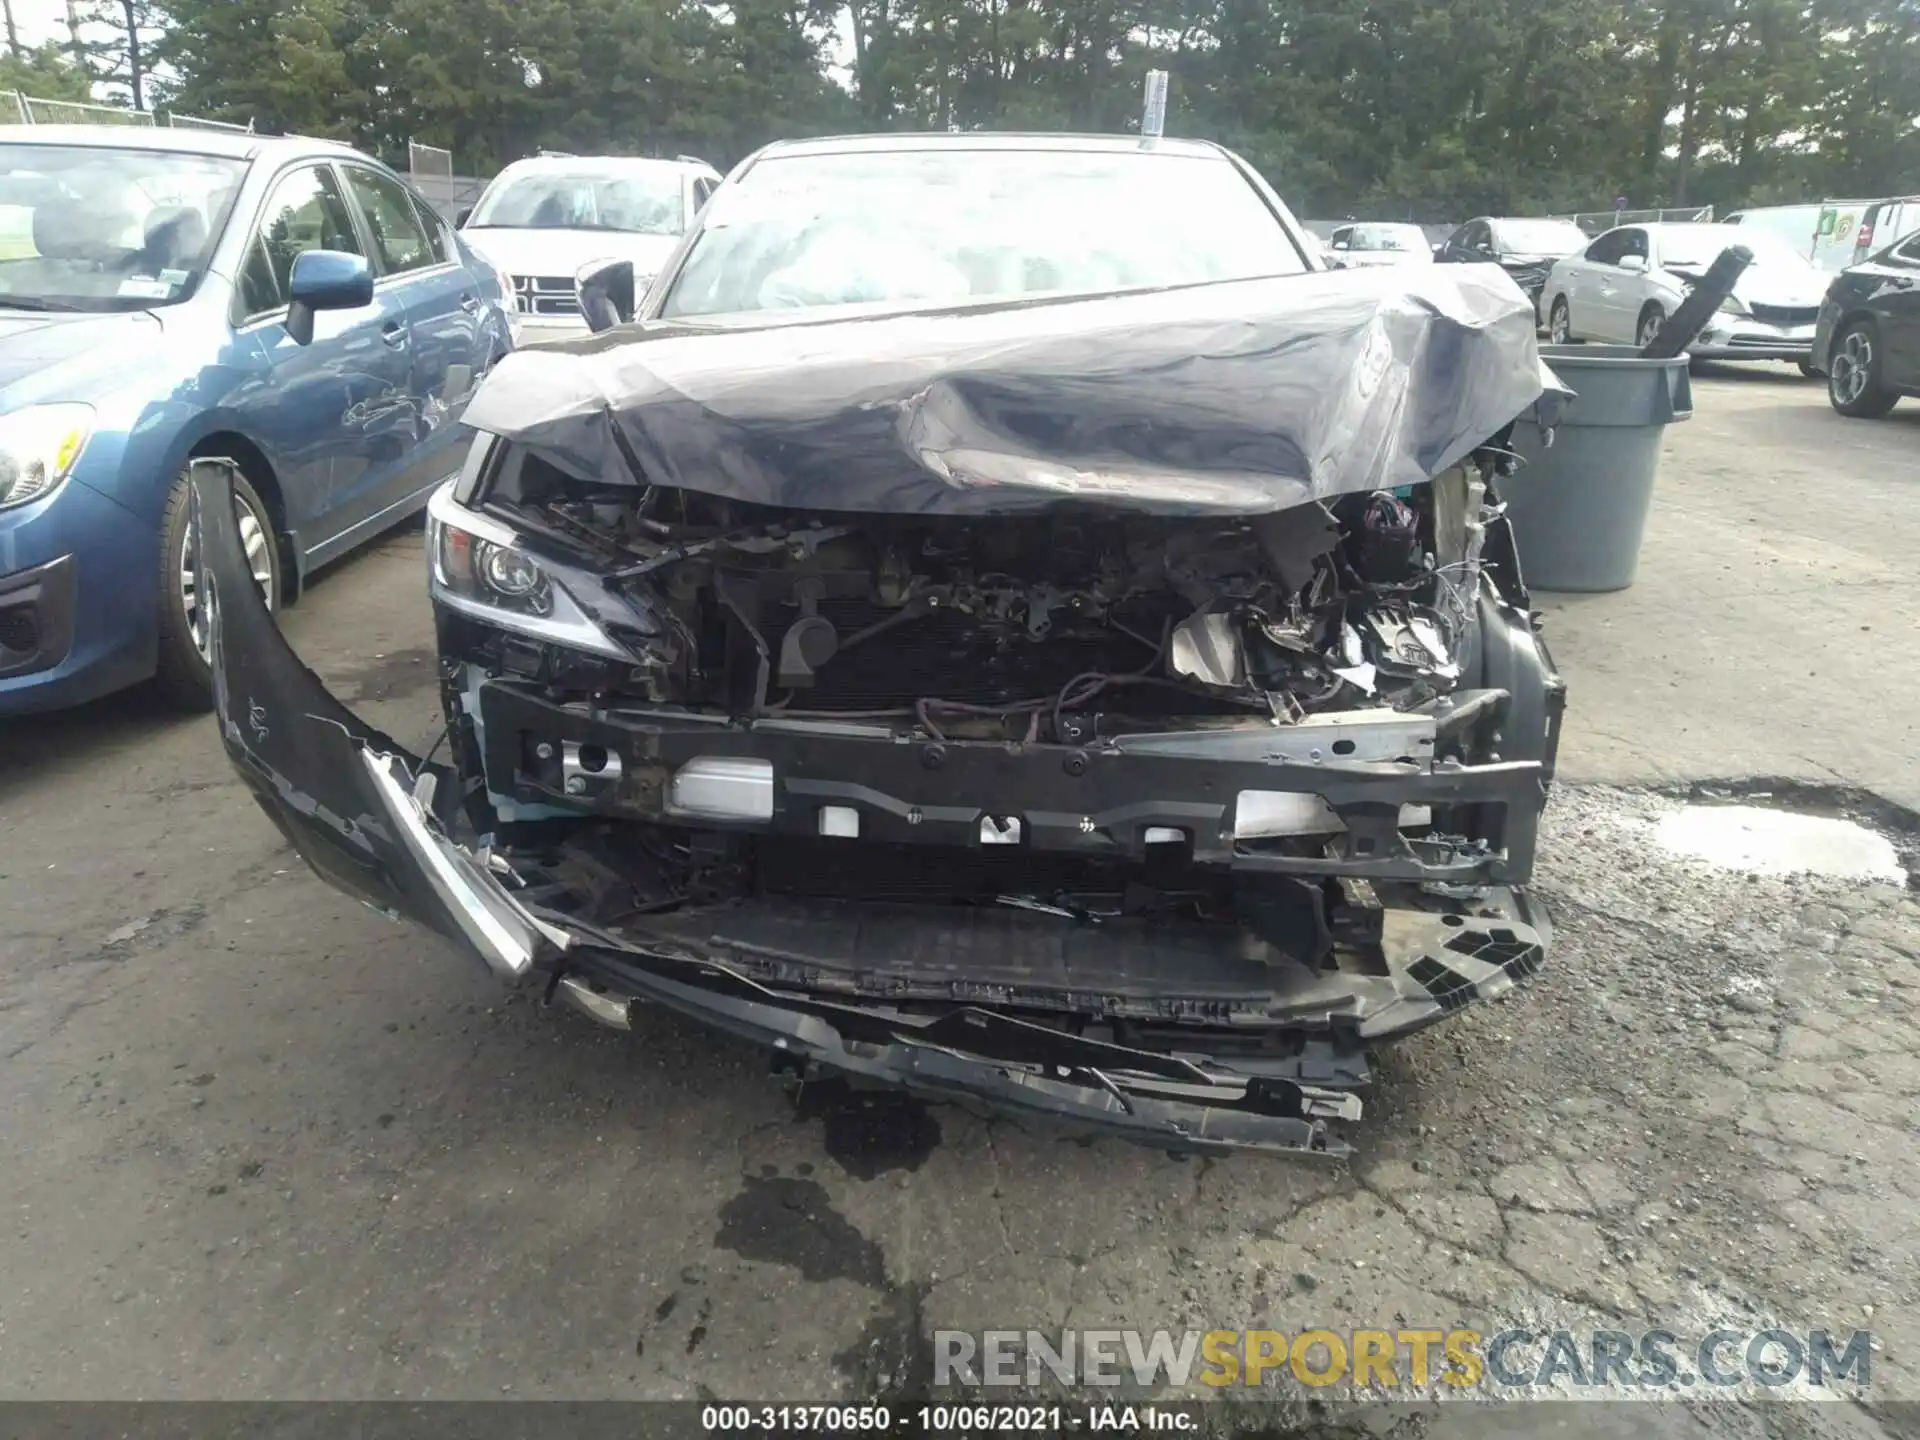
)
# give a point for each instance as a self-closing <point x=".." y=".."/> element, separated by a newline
<point x="183" y="672"/>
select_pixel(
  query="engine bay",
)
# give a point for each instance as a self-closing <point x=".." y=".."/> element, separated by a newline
<point x="1062" y="627"/>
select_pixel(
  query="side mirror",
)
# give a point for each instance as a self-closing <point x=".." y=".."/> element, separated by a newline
<point x="1633" y="262"/>
<point x="605" y="288"/>
<point x="325" y="280"/>
<point x="461" y="217"/>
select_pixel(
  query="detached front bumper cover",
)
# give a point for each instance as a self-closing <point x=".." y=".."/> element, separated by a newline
<point x="374" y="820"/>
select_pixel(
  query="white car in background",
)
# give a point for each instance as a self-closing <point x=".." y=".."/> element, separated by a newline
<point x="1623" y="286"/>
<point x="542" y="219"/>
<point x="1358" y="246"/>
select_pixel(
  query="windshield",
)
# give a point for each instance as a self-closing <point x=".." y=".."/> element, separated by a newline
<point x="951" y="226"/>
<point x="1539" y="237"/>
<point x="1388" y="237"/>
<point x="639" y="201"/>
<point x="86" y="227"/>
<point x="1694" y="247"/>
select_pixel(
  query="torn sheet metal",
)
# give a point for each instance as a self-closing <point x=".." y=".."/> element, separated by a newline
<point x="1243" y="397"/>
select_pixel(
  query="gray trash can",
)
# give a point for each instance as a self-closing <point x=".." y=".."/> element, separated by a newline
<point x="1579" y="507"/>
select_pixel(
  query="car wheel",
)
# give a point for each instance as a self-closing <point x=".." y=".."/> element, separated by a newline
<point x="1651" y="319"/>
<point x="1853" y="373"/>
<point x="1560" y="323"/>
<point x="1806" y="369"/>
<point x="184" y="673"/>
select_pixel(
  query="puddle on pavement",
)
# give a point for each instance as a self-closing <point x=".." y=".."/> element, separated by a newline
<point x="869" y="1132"/>
<point x="1780" y="842"/>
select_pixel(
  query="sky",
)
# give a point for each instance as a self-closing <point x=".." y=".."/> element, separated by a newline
<point x="40" y="20"/>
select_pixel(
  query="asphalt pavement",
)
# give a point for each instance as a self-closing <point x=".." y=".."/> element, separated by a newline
<point x="257" y="1141"/>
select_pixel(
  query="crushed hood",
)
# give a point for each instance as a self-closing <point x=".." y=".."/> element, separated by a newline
<point x="1240" y="397"/>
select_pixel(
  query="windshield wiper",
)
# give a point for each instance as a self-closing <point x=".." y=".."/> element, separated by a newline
<point x="34" y="302"/>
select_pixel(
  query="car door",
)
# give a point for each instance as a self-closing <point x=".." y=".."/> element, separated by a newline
<point x="326" y="413"/>
<point x="1614" y="290"/>
<point x="1585" y="273"/>
<point x="1570" y="280"/>
<point x="417" y="266"/>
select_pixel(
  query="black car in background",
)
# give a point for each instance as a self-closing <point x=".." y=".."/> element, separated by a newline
<point x="1867" y="341"/>
<point x="1524" y="248"/>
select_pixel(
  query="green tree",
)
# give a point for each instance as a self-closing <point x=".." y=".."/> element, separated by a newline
<point x="1417" y="109"/>
<point x="123" y="60"/>
<point x="282" y="67"/>
<point x="47" y="73"/>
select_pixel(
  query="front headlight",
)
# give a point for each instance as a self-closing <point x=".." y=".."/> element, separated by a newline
<point x="39" y="446"/>
<point x="479" y="568"/>
<point x="488" y="572"/>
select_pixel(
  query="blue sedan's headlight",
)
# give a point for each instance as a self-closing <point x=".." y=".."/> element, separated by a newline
<point x="39" y="446"/>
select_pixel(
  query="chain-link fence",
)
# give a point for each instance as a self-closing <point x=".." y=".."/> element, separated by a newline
<point x="195" y="122"/>
<point x="428" y="160"/>
<point x="1595" y="221"/>
<point x="431" y="170"/>
<point x="34" y="111"/>
<point x="31" y="110"/>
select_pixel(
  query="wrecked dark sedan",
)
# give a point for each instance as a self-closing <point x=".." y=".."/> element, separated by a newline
<point x="999" y="620"/>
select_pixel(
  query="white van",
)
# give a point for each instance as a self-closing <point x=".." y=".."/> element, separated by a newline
<point x="1885" y="222"/>
<point x="1834" y="234"/>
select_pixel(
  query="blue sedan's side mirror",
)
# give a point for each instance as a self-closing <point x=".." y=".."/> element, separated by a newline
<point x="325" y="280"/>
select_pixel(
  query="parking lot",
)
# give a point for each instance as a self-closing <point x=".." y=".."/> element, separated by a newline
<point x="261" y="1142"/>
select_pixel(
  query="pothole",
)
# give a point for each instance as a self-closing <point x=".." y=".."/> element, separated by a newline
<point x="1761" y="841"/>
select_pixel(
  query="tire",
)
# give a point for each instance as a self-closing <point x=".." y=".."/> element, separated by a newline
<point x="1559" y="323"/>
<point x="1854" y="386"/>
<point x="1806" y="370"/>
<point x="182" y="675"/>
<point x="1651" y="319"/>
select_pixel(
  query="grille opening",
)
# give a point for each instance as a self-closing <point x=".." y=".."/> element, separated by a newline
<point x="545" y="295"/>
<point x="19" y="632"/>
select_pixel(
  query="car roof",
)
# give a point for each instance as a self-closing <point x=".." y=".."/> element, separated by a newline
<point x="991" y="140"/>
<point x="219" y="143"/>
<point x="557" y="161"/>
<point x="1676" y="225"/>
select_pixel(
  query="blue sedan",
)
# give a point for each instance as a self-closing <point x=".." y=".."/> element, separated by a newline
<point x="167" y="296"/>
